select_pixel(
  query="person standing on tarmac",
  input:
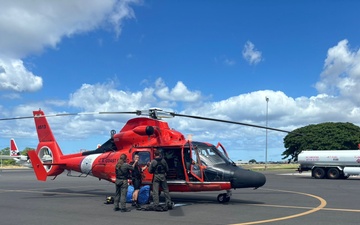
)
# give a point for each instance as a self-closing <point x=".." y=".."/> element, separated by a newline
<point x="159" y="168"/>
<point x="136" y="177"/>
<point x="122" y="170"/>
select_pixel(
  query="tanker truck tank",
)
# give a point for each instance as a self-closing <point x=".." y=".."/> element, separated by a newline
<point x="332" y="164"/>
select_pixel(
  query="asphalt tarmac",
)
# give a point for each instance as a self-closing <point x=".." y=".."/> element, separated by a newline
<point x="286" y="198"/>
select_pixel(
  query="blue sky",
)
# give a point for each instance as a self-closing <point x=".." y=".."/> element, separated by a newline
<point x="208" y="58"/>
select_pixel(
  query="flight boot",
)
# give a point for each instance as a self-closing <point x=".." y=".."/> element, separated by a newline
<point x="125" y="210"/>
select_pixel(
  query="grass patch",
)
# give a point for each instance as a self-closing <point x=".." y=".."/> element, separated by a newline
<point x="260" y="167"/>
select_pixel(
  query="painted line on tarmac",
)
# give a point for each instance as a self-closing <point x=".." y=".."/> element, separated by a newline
<point x="304" y="207"/>
<point x="342" y="210"/>
<point x="312" y="210"/>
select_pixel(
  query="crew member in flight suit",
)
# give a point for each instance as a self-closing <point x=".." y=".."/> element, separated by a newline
<point x="122" y="170"/>
<point x="159" y="168"/>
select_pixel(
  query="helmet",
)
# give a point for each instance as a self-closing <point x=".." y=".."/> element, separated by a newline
<point x="109" y="200"/>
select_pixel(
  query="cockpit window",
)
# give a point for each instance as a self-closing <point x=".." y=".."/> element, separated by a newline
<point x="210" y="155"/>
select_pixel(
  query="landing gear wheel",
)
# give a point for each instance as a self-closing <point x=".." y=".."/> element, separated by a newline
<point x="222" y="198"/>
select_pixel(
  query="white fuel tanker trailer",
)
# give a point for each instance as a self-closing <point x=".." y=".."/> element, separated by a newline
<point x="332" y="164"/>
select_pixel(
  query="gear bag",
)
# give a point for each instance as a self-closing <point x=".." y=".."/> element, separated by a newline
<point x="143" y="197"/>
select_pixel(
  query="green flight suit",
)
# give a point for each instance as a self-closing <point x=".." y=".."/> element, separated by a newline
<point x="159" y="168"/>
<point x="121" y="185"/>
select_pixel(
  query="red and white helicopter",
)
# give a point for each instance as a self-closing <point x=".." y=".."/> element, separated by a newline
<point x="193" y="166"/>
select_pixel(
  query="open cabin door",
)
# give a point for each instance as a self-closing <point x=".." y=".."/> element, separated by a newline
<point x="172" y="155"/>
<point x="192" y="161"/>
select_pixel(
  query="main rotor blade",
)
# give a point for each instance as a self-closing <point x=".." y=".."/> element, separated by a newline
<point x="69" y="114"/>
<point x="37" y="116"/>
<point x="18" y="118"/>
<point x="228" y="121"/>
<point x="137" y="112"/>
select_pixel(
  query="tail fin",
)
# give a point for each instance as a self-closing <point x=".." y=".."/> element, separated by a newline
<point x="15" y="154"/>
<point x="42" y="127"/>
<point x="46" y="137"/>
<point x="37" y="165"/>
<point x="48" y="150"/>
<point x="14" y="151"/>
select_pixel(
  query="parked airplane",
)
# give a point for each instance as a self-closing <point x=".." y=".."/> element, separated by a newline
<point x="15" y="155"/>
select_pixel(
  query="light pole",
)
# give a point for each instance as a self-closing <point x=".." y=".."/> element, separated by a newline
<point x="266" y="140"/>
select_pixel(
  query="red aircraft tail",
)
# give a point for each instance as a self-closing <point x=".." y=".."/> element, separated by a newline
<point x="42" y="127"/>
<point x="14" y="151"/>
<point x="48" y="152"/>
<point x="37" y="165"/>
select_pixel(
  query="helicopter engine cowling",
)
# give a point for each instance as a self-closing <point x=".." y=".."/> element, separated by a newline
<point x="144" y="130"/>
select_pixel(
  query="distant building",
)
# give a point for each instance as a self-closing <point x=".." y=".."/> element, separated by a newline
<point x="241" y="162"/>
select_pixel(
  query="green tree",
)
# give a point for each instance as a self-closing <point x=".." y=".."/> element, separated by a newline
<point x="25" y="151"/>
<point x="5" y="151"/>
<point x="6" y="162"/>
<point x="323" y="136"/>
<point x="252" y="161"/>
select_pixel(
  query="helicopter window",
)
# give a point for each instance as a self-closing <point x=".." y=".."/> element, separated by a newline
<point x="144" y="157"/>
<point x="209" y="155"/>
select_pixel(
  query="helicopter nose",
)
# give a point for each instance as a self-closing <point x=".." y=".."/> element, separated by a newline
<point x="247" y="179"/>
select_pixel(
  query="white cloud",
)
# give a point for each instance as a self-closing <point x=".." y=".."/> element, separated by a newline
<point x="14" y="76"/>
<point x="29" y="27"/>
<point x="105" y="97"/>
<point x="122" y="10"/>
<point x="250" y="54"/>
<point x="179" y="93"/>
<point x="341" y="74"/>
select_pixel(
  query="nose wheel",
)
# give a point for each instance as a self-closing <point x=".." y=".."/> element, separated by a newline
<point x="225" y="197"/>
<point x="222" y="198"/>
